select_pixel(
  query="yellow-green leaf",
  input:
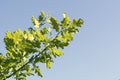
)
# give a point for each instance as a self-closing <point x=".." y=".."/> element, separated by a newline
<point x="49" y="64"/>
<point x="35" y="22"/>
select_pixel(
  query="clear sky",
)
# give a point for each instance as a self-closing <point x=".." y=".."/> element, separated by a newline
<point x="95" y="52"/>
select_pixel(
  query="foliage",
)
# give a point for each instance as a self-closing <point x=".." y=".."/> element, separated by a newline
<point x="41" y="44"/>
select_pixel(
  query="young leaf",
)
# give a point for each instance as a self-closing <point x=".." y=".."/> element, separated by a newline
<point x="49" y="64"/>
<point x="66" y="20"/>
<point x="30" y="37"/>
<point x="35" y="22"/>
<point x="57" y="52"/>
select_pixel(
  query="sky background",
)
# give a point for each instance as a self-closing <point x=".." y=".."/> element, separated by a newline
<point x="95" y="52"/>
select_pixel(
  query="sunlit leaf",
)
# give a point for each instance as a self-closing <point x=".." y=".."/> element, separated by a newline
<point x="66" y="20"/>
<point x="49" y="64"/>
<point x="35" y="22"/>
<point x="26" y="49"/>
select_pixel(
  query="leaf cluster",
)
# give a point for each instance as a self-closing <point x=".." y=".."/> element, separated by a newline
<point x="40" y="44"/>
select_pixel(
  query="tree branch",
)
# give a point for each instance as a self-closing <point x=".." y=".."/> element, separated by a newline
<point x="32" y="58"/>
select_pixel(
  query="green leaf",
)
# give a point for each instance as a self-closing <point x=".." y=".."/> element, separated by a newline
<point x="40" y="36"/>
<point x="30" y="37"/>
<point x="42" y="16"/>
<point x="54" y="23"/>
<point x="38" y="71"/>
<point x="74" y="23"/>
<point x="57" y="52"/>
<point x="66" y="20"/>
<point x="42" y="13"/>
<point x="49" y="64"/>
<point x="9" y="35"/>
<point x="66" y="37"/>
<point x="44" y="31"/>
<point x="80" y="22"/>
<point x="1" y="58"/>
<point x="35" y="22"/>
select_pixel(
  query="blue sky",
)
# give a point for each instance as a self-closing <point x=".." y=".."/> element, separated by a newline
<point x="93" y="55"/>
